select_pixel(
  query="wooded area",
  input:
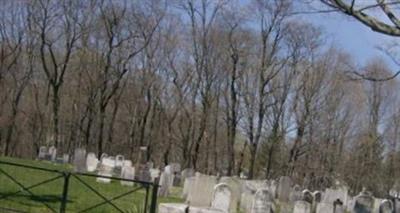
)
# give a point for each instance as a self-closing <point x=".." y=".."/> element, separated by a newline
<point x="223" y="87"/>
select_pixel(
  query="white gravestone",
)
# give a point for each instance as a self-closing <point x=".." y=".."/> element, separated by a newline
<point x="324" y="208"/>
<point x="127" y="172"/>
<point x="189" y="182"/>
<point x="202" y="190"/>
<point x="119" y="161"/>
<point x="65" y="158"/>
<point x="165" y="184"/>
<point x="104" y="171"/>
<point x="263" y="202"/>
<point x="235" y="186"/>
<point x="53" y="153"/>
<point x="222" y="198"/>
<point x="91" y="162"/>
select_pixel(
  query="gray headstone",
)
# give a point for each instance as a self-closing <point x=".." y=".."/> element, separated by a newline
<point x="263" y="202"/>
<point x="79" y="160"/>
<point x="284" y="188"/>
<point x="317" y="196"/>
<point x="106" y="171"/>
<point x="331" y="195"/>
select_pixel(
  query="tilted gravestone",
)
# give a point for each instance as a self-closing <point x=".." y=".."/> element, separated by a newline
<point x="79" y="160"/>
<point x="364" y="203"/>
<point x="302" y="207"/>
<point x="143" y="169"/>
<point x="284" y="188"/>
<point x="263" y="202"/>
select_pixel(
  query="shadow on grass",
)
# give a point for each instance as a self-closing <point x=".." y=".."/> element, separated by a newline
<point x="31" y="201"/>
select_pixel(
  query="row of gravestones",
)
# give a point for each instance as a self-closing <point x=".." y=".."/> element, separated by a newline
<point x="110" y="166"/>
<point x="50" y="154"/>
<point x="198" y="189"/>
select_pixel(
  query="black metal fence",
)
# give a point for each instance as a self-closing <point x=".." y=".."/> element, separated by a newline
<point x="144" y="193"/>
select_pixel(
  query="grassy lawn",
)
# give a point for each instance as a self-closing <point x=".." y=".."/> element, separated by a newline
<point x="80" y="197"/>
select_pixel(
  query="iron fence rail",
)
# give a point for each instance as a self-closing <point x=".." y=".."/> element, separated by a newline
<point x="151" y="189"/>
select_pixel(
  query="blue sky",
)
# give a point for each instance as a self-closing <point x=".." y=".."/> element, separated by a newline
<point x="353" y="37"/>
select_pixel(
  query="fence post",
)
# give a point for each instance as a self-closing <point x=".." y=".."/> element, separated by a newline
<point x="64" y="198"/>
<point x="153" y="205"/>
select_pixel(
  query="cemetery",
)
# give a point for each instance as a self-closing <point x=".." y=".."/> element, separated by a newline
<point x="184" y="190"/>
<point x="199" y="106"/>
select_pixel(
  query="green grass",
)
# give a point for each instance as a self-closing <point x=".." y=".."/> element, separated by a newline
<point x="80" y="197"/>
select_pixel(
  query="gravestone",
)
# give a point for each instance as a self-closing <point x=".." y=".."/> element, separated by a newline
<point x="324" y="208"/>
<point x="307" y="196"/>
<point x="317" y="196"/>
<point x="302" y="207"/>
<point x="295" y="194"/>
<point x="104" y="171"/>
<point x="42" y="153"/>
<point x="263" y="202"/>
<point x="273" y="187"/>
<point x="221" y="198"/>
<point x="364" y="203"/>
<point x="143" y="169"/>
<point x="119" y="161"/>
<point x="249" y="188"/>
<point x="235" y="187"/>
<point x="202" y="190"/>
<point x="377" y="203"/>
<point x="65" y="158"/>
<point x="165" y="183"/>
<point x="284" y="188"/>
<point x="91" y="162"/>
<point x="127" y="163"/>
<point x="108" y="162"/>
<point x="79" y="160"/>
<point x="53" y="153"/>
<point x="331" y="195"/>
<point x="188" y="172"/>
<point x="338" y="206"/>
<point x="154" y="173"/>
<point x="127" y="172"/>
<point x="189" y="182"/>
<point x="386" y="207"/>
